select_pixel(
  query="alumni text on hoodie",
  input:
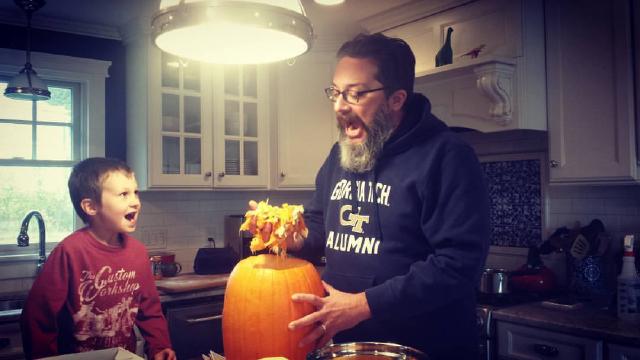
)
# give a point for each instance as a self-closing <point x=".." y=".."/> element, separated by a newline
<point x="413" y="233"/>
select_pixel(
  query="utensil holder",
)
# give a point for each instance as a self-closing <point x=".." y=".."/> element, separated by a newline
<point x="591" y="279"/>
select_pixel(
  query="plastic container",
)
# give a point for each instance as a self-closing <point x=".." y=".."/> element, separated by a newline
<point x="628" y="284"/>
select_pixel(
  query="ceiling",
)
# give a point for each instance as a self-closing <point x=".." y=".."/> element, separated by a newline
<point x="105" y="18"/>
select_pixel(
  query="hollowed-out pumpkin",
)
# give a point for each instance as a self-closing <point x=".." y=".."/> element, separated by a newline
<point x="258" y="307"/>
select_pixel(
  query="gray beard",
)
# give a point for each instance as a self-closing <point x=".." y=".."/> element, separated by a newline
<point x="359" y="158"/>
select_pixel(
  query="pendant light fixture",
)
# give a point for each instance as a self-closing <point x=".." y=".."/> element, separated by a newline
<point x="232" y="31"/>
<point x="329" y="2"/>
<point x="27" y="85"/>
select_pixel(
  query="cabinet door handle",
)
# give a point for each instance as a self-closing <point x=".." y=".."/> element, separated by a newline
<point x="546" y="350"/>
<point x="208" y="174"/>
<point x="203" y="319"/>
<point x="221" y="174"/>
<point x="554" y="163"/>
<point x="282" y="174"/>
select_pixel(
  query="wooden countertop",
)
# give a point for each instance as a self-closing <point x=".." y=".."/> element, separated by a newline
<point x="584" y="321"/>
<point x="191" y="282"/>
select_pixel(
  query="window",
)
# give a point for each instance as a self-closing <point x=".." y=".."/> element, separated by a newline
<point x="39" y="143"/>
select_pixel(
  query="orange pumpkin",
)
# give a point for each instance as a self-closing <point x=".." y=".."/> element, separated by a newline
<point x="258" y="307"/>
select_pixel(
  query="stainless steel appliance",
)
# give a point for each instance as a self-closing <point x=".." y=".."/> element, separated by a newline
<point x="494" y="281"/>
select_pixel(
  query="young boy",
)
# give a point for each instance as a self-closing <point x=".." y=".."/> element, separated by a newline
<point x="97" y="282"/>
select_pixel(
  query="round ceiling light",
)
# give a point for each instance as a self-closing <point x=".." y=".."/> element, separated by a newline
<point x="329" y="2"/>
<point x="232" y="31"/>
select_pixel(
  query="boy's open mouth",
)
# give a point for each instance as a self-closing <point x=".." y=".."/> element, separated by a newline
<point x="130" y="216"/>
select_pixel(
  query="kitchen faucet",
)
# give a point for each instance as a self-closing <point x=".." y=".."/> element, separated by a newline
<point x="23" y="237"/>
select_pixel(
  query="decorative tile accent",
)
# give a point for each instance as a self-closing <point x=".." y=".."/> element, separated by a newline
<point x="515" y="192"/>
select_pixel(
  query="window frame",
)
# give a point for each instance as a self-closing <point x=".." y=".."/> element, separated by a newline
<point x="89" y="113"/>
<point x="76" y="125"/>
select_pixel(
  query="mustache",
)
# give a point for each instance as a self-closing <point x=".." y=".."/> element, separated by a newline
<point x="350" y="119"/>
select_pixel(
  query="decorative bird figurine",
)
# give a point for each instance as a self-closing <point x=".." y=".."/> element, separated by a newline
<point x="473" y="53"/>
<point x="445" y="54"/>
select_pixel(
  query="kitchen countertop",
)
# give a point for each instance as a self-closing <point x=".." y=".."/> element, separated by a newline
<point x="582" y="321"/>
<point x="191" y="282"/>
<point x="201" y="286"/>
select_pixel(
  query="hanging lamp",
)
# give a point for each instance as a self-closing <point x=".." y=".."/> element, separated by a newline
<point x="329" y="2"/>
<point x="27" y="85"/>
<point x="232" y="31"/>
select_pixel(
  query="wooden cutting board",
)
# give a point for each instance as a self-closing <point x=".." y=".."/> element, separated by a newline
<point x="191" y="282"/>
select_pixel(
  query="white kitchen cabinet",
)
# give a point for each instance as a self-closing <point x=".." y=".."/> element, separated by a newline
<point x="191" y="125"/>
<point x="590" y="96"/>
<point x="517" y="341"/>
<point x="241" y="126"/>
<point x="306" y="124"/>
<point x="502" y="88"/>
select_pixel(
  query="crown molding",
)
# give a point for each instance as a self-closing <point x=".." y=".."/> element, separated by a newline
<point x="61" y="25"/>
<point x="406" y="13"/>
<point x="329" y="43"/>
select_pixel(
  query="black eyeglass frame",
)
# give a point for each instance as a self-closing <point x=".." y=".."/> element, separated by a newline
<point x="332" y="94"/>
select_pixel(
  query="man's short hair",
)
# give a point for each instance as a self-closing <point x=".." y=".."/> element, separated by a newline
<point x="394" y="58"/>
<point x="87" y="177"/>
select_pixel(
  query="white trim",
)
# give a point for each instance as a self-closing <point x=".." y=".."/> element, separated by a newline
<point x="62" y="25"/>
<point x="406" y="13"/>
<point x="89" y="73"/>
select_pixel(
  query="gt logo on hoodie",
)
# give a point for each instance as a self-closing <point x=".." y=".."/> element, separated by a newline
<point x="354" y="220"/>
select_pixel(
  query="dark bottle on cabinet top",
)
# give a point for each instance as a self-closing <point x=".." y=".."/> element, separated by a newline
<point x="445" y="54"/>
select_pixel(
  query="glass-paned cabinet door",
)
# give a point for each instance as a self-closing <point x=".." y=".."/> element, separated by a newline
<point x="185" y="145"/>
<point x="241" y="126"/>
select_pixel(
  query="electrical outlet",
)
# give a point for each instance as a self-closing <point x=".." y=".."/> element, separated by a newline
<point x="210" y="233"/>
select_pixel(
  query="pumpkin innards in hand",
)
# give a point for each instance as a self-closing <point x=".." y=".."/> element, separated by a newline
<point x="285" y="221"/>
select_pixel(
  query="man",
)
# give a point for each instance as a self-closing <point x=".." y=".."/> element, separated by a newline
<point x="400" y="211"/>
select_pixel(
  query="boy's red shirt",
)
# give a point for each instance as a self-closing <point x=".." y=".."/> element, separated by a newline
<point x="88" y="297"/>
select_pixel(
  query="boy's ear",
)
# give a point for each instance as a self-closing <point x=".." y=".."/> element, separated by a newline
<point x="89" y="206"/>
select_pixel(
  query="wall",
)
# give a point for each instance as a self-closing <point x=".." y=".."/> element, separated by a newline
<point x="14" y="37"/>
<point x="182" y="221"/>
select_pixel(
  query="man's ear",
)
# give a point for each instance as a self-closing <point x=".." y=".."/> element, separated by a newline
<point x="397" y="99"/>
<point x="89" y="206"/>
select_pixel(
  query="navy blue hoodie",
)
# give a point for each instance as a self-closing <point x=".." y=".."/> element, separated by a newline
<point x="412" y="233"/>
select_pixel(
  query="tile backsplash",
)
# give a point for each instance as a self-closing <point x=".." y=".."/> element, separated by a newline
<point x="183" y="221"/>
<point x="516" y="200"/>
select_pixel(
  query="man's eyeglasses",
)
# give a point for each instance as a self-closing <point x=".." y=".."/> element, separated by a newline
<point x="351" y="96"/>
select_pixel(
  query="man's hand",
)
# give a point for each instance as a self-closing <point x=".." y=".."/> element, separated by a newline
<point x="294" y="242"/>
<point x="336" y="312"/>
<point x="166" y="354"/>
